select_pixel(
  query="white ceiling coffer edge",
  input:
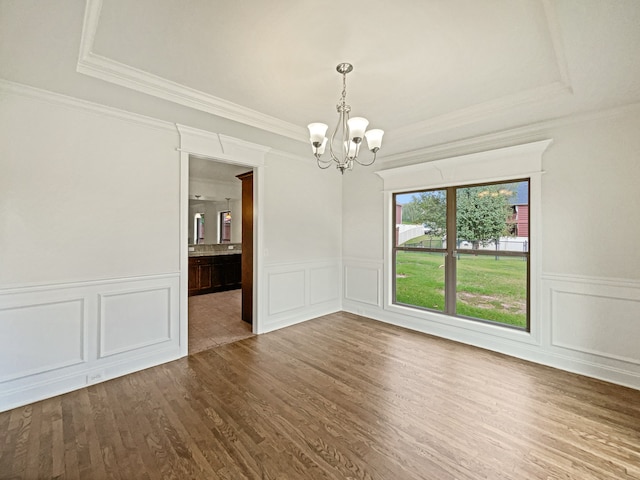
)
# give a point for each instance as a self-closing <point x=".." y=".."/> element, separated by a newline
<point x="111" y="71"/>
<point x="492" y="165"/>
<point x="523" y="134"/>
<point x="481" y="111"/>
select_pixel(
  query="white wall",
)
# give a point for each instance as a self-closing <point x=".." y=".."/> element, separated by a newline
<point x="83" y="195"/>
<point x="302" y="241"/>
<point x="589" y="299"/>
<point x="91" y="249"/>
<point x="89" y="270"/>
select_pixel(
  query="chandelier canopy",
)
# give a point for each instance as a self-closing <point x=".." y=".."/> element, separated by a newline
<point x="349" y="133"/>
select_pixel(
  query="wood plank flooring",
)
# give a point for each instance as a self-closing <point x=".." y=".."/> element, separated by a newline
<point x="339" y="397"/>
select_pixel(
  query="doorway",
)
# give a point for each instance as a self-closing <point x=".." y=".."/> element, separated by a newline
<point x="215" y="256"/>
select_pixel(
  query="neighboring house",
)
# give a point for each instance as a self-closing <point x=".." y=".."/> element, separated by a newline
<point x="520" y="205"/>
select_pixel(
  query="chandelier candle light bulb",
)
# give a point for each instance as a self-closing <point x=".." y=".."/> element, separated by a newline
<point x="349" y="133"/>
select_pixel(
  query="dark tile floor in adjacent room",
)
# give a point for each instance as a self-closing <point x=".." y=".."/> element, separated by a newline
<point x="215" y="319"/>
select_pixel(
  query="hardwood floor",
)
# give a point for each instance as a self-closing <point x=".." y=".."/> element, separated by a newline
<point x="216" y="319"/>
<point x="339" y="397"/>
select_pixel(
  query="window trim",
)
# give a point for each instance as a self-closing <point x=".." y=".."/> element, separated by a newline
<point x="502" y="164"/>
<point x="450" y="253"/>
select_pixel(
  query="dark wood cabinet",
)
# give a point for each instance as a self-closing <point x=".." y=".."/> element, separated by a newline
<point x="214" y="273"/>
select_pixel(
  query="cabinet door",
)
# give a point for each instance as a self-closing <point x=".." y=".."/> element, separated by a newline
<point x="204" y="276"/>
<point x="217" y="274"/>
<point x="234" y="271"/>
<point x="194" y="283"/>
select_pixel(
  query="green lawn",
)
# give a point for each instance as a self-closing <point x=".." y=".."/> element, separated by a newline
<point x="487" y="288"/>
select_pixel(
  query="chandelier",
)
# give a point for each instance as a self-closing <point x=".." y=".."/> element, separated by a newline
<point x="227" y="215"/>
<point x="349" y="133"/>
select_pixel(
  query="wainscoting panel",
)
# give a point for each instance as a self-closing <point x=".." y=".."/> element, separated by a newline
<point x="362" y="283"/>
<point x="57" y="338"/>
<point x="299" y="291"/>
<point x="596" y="317"/>
<point x="40" y="338"/>
<point x="132" y="320"/>
<point x="286" y="291"/>
<point x="324" y="284"/>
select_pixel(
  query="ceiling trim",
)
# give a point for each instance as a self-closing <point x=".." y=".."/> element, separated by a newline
<point x="97" y="66"/>
<point x="8" y="87"/>
<point x="109" y="70"/>
<point x="481" y="112"/>
<point x="496" y="140"/>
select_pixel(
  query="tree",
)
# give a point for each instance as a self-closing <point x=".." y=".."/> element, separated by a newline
<point x="482" y="213"/>
<point x="411" y="214"/>
<point x="430" y="209"/>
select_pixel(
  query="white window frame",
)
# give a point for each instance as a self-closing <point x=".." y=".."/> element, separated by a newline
<point x="503" y="164"/>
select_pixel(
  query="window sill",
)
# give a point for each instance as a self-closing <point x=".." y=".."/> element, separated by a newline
<point x="460" y="323"/>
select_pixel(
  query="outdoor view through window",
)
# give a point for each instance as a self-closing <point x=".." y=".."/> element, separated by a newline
<point x="464" y="251"/>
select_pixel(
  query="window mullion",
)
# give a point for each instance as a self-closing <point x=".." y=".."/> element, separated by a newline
<point x="450" y="258"/>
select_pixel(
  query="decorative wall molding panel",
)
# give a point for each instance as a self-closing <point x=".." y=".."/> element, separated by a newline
<point x="324" y="284"/>
<point x="296" y="292"/>
<point x="145" y="314"/>
<point x="27" y="331"/>
<point x="363" y="282"/>
<point x="584" y="313"/>
<point x="287" y="290"/>
<point x="56" y="338"/>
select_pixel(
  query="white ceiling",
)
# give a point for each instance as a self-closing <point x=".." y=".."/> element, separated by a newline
<point x="425" y="71"/>
<point x="203" y="169"/>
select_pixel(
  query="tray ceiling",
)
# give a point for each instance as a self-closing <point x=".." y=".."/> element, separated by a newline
<point x="425" y="71"/>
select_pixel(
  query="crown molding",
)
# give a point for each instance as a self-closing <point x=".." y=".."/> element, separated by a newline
<point x="514" y="135"/>
<point x="109" y="70"/>
<point x="7" y="87"/>
<point x="489" y="109"/>
<point x="480" y="112"/>
<point x="124" y="75"/>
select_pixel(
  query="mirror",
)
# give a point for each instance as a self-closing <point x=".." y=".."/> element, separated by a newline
<point x="212" y="222"/>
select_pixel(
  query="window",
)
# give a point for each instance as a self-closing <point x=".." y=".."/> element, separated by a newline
<point x="464" y="251"/>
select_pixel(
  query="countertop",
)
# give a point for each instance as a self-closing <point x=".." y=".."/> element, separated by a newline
<point x="213" y="253"/>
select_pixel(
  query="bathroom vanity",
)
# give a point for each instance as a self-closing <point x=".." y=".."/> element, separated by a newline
<point x="214" y="270"/>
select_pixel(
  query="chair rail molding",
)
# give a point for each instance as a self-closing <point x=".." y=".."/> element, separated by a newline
<point x="61" y="337"/>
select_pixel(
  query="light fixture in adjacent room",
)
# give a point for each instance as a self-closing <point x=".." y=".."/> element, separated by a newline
<point x="349" y="133"/>
<point x="227" y="216"/>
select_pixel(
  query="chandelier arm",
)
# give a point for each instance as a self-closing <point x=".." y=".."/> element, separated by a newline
<point x="367" y="164"/>
<point x="326" y="163"/>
